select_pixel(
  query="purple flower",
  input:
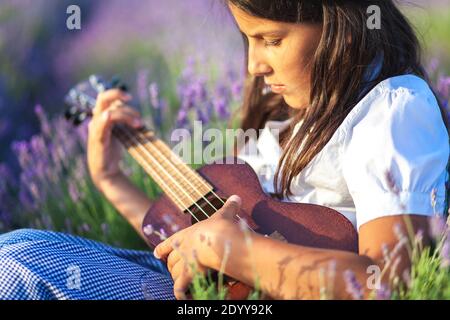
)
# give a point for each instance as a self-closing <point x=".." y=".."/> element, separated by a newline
<point x="383" y="293"/>
<point x="182" y="117"/>
<point x="105" y="228"/>
<point x="398" y="230"/>
<point x="236" y="90"/>
<point x="162" y="234"/>
<point x="202" y="116"/>
<point x="391" y="182"/>
<point x="419" y="236"/>
<point x="85" y="227"/>
<point x="142" y="80"/>
<point x="353" y="287"/>
<point x="438" y="226"/>
<point x="445" y="254"/>
<point x="154" y="95"/>
<point x="43" y="120"/>
<point x="220" y="105"/>
<point x="200" y="90"/>
<point x="20" y="148"/>
<point x="148" y="230"/>
<point x="443" y="86"/>
<point x="74" y="192"/>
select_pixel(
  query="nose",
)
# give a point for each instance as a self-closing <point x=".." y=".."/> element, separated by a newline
<point x="257" y="66"/>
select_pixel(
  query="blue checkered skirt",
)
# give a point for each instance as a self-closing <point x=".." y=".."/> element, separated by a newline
<point x="36" y="264"/>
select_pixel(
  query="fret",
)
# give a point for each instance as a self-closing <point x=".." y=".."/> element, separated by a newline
<point x="180" y="182"/>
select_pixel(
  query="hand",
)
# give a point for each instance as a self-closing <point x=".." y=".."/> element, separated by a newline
<point x="104" y="151"/>
<point x="199" y="246"/>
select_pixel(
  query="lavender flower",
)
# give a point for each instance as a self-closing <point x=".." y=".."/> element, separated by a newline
<point x="443" y="86"/>
<point x="85" y="227"/>
<point x="105" y="228"/>
<point x="43" y="120"/>
<point x="433" y="199"/>
<point x="438" y="226"/>
<point x="445" y="254"/>
<point x="433" y="65"/>
<point x="383" y="293"/>
<point x="353" y="287"/>
<point x="154" y="95"/>
<point x="73" y="191"/>
<point x="391" y="182"/>
<point x="236" y="90"/>
<point x="398" y="230"/>
<point x="220" y="106"/>
<point x="162" y="234"/>
<point x="142" y="80"/>
<point x="148" y="229"/>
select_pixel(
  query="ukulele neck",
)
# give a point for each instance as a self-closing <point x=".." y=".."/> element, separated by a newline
<point x="183" y="185"/>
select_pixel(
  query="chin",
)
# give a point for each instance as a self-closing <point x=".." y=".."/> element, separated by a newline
<point x="295" y="103"/>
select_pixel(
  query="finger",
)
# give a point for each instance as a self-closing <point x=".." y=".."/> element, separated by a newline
<point x="177" y="269"/>
<point x="105" y="98"/>
<point x="181" y="285"/>
<point x="173" y="258"/>
<point x="230" y="209"/>
<point x="111" y="117"/>
<point x="132" y="112"/>
<point x="119" y="104"/>
<point x="163" y="249"/>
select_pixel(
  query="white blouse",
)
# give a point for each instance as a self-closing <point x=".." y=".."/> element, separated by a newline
<point x="388" y="157"/>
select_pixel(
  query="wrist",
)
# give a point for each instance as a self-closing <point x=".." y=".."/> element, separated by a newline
<point x="105" y="181"/>
<point x="227" y="245"/>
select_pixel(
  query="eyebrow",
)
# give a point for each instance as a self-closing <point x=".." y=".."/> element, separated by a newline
<point x="267" y="33"/>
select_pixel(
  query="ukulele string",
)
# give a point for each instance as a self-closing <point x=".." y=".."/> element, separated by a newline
<point x="149" y="168"/>
<point x="140" y="144"/>
<point x="193" y="188"/>
<point x="214" y="194"/>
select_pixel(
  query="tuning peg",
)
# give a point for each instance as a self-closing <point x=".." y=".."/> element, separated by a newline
<point x="97" y="83"/>
<point x="79" y="118"/>
<point x="73" y="94"/>
<point x="71" y="112"/>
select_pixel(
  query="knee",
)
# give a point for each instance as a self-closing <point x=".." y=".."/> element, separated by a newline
<point x="21" y="235"/>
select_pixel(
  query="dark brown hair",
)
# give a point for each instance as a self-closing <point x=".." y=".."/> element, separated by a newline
<point x="338" y="77"/>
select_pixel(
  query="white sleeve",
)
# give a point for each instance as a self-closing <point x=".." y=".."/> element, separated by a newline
<point x="396" y="155"/>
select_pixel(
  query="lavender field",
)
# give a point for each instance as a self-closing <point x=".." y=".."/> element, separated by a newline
<point x="183" y="61"/>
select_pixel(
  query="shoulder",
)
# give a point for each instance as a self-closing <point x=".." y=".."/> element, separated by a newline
<point x="396" y="150"/>
<point x="406" y="101"/>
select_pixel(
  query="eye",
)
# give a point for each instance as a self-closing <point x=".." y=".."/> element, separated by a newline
<point x="272" y="43"/>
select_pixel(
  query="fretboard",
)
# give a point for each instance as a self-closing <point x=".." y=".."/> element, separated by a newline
<point x="183" y="185"/>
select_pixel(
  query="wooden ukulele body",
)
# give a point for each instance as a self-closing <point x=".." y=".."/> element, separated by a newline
<point x="299" y="223"/>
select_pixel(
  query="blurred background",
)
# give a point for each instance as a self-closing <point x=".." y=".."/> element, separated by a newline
<point x="181" y="59"/>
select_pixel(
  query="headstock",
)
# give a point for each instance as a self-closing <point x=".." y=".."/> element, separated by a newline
<point x="81" y="98"/>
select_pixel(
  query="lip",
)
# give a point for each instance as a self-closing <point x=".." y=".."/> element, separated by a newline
<point x="277" y="88"/>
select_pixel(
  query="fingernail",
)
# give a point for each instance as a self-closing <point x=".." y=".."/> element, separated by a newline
<point x="156" y="255"/>
<point x="235" y="198"/>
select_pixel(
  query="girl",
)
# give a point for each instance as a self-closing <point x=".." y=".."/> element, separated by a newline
<point x="362" y="133"/>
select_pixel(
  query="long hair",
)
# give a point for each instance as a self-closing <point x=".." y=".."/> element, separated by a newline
<point x="338" y="76"/>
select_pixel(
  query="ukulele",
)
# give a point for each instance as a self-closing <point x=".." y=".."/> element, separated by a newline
<point x="192" y="195"/>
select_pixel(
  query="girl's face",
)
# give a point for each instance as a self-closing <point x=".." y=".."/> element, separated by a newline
<point x="281" y="52"/>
